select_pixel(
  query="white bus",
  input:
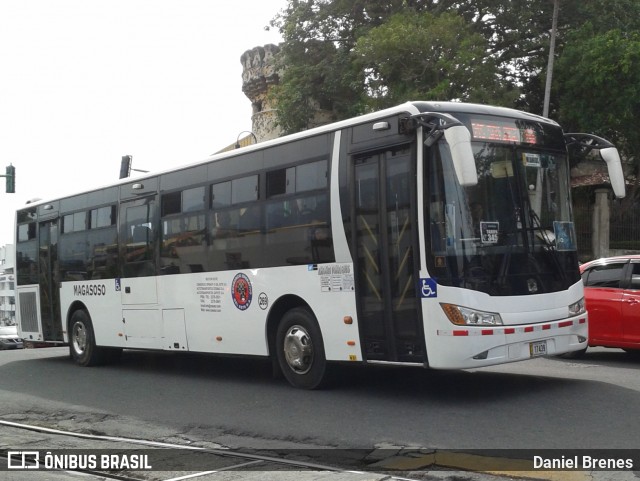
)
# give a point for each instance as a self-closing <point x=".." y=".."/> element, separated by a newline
<point x="429" y="234"/>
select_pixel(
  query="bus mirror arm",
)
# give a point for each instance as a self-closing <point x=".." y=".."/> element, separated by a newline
<point x="609" y="154"/>
<point x="436" y="123"/>
<point x="458" y="138"/>
<point x="433" y="137"/>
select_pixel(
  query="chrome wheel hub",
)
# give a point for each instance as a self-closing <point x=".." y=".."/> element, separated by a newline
<point x="79" y="337"/>
<point x="298" y="349"/>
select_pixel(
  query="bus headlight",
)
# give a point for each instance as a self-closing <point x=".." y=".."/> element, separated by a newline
<point x="463" y="316"/>
<point x="577" y="308"/>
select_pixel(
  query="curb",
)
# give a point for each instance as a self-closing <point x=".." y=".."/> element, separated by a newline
<point x="518" y="468"/>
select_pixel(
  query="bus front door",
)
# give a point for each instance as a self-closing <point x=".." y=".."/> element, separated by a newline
<point x="384" y="237"/>
<point x="49" y="281"/>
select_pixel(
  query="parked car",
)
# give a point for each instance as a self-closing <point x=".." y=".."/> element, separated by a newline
<point x="9" y="338"/>
<point x="612" y="296"/>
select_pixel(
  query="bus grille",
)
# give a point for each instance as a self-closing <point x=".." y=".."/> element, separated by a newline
<point x="28" y="312"/>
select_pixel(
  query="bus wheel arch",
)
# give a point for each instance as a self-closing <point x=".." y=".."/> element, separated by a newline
<point x="296" y="343"/>
<point x="276" y="312"/>
<point x="82" y="345"/>
<point x="82" y="341"/>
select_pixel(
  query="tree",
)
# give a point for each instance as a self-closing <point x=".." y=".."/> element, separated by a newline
<point x="415" y="56"/>
<point x="598" y="87"/>
<point x="315" y="60"/>
<point x="602" y="15"/>
<point x="326" y="45"/>
<point x="350" y="56"/>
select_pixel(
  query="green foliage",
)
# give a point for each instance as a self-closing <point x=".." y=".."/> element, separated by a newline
<point x="421" y="56"/>
<point x="598" y="89"/>
<point x="330" y="55"/>
<point x="316" y="57"/>
<point x="598" y="85"/>
<point x="352" y="56"/>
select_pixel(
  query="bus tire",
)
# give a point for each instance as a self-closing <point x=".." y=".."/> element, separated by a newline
<point x="300" y="349"/>
<point x="82" y="341"/>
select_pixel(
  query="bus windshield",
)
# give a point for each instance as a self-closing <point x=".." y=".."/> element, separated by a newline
<point x="512" y="233"/>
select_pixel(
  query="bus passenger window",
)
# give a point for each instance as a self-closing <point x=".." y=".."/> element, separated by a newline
<point x="250" y="219"/>
<point x="223" y="226"/>
<point x="183" y="244"/>
<point x="140" y="241"/>
<point x="141" y="234"/>
<point x="224" y="239"/>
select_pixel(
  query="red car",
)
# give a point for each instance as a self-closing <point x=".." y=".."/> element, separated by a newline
<point x="612" y="295"/>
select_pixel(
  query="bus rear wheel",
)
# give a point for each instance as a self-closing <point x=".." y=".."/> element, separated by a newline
<point x="82" y="342"/>
<point x="300" y="349"/>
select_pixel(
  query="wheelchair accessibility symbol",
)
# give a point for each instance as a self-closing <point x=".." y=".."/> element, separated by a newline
<point x="428" y="288"/>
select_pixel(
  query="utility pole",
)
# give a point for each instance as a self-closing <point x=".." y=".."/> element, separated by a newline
<point x="552" y="50"/>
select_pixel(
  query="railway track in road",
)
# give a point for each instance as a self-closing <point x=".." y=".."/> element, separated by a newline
<point x="32" y="448"/>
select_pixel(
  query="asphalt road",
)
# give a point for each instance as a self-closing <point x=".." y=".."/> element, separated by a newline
<point x="544" y="403"/>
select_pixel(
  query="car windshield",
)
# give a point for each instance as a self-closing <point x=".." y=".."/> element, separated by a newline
<point x="512" y="233"/>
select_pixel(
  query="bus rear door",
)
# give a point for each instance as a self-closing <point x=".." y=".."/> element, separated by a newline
<point x="49" y="281"/>
<point x="139" y="240"/>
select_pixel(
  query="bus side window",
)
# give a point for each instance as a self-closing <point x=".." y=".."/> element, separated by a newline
<point x="250" y="219"/>
<point x="224" y="238"/>
<point x="102" y="241"/>
<point x="139" y="239"/>
<point x="141" y="234"/>
<point x="222" y="225"/>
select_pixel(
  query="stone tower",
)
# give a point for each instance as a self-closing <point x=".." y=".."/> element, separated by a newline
<point x="258" y="75"/>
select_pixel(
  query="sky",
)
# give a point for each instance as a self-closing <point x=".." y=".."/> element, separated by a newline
<point x="84" y="82"/>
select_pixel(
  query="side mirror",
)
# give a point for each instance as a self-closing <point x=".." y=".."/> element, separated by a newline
<point x="459" y="140"/>
<point x="611" y="156"/>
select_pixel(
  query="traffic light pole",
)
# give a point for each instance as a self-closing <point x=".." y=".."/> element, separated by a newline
<point x="10" y="177"/>
<point x="125" y="167"/>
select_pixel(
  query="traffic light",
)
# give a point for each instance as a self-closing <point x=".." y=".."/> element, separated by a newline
<point x="11" y="179"/>
<point x="125" y="166"/>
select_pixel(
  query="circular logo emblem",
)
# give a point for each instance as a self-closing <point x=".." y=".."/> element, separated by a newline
<point x="263" y="301"/>
<point x="241" y="291"/>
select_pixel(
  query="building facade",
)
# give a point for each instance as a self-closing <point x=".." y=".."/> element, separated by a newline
<point x="7" y="286"/>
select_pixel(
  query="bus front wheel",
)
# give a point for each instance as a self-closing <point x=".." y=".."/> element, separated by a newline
<point x="300" y="349"/>
<point x="82" y="343"/>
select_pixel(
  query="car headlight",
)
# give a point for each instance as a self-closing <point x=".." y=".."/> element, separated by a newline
<point x="577" y="308"/>
<point x="463" y="316"/>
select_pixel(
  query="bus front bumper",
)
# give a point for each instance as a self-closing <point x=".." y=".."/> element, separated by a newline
<point x="501" y="344"/>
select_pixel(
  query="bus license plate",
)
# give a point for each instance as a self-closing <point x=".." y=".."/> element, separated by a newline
<point x="538" y="348"/>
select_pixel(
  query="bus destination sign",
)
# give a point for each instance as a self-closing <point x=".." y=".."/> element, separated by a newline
<point x="503" y="131"/>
